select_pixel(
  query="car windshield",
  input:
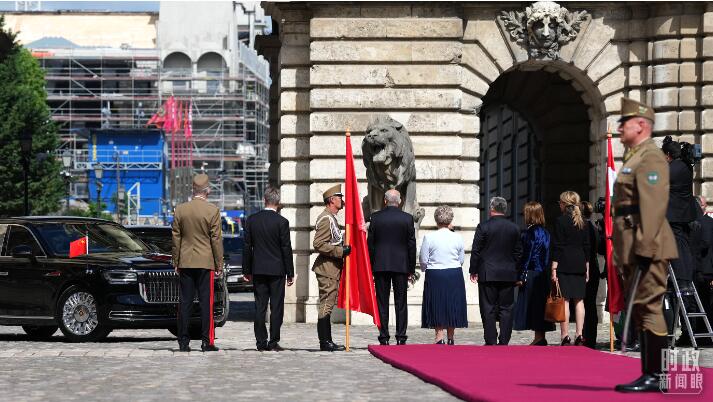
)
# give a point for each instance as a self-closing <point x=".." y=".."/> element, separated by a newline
<point x="103" y="237"/>
<point x="162" y="240"/>
<point x="232" y="244"/>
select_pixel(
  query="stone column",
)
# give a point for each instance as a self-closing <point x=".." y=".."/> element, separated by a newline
<point x="705" y="96"/>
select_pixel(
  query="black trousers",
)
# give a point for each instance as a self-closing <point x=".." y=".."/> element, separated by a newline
<point x="591" y="320"/>
<point x="496" y="300"/>
<point x="190" y="280"/>
<point x="268" y="289"/>
<point x="382" y="283"/>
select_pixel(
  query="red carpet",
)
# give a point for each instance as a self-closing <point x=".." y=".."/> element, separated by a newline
<point x="529" y="373"/>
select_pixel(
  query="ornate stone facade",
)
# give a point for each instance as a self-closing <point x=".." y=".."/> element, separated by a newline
<point x="430" y="67"/>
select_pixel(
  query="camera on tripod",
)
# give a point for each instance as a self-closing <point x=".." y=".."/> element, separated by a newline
<point x="600" y="205"/>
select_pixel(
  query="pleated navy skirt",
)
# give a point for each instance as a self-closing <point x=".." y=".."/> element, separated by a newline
<point x="444" y="303"/>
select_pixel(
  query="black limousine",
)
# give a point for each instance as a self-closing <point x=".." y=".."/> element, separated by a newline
<point x="121" y="283"/>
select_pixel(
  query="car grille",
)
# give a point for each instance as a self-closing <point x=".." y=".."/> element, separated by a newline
<point x="159" y="287"/>
<point x="235" y="269"/>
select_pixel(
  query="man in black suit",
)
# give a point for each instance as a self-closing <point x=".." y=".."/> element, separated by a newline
<point x="267" y="262"/>
<point x="702" y="240"/>
<point x="493" y="266"/>
<point x="392" y="250"/>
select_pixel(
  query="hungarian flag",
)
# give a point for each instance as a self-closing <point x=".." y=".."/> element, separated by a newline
<point x="362" y="296"/>
<point x="79" y="247"/>
<point x="616" y="296"/>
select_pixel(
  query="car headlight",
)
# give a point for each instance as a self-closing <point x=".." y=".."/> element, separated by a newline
<point x="120" y="277"/>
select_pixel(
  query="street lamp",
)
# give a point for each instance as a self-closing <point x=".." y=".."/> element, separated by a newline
<point x="26" y="149"/>
<point x="67" y="162"/>
<point x="98" y="173"/>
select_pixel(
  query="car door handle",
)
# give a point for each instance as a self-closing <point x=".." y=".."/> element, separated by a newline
<point x="3" y="273"/>
<point x="53" y="274"/>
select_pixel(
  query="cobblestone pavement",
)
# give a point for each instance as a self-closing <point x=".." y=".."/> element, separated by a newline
<point x="145" y="365"/>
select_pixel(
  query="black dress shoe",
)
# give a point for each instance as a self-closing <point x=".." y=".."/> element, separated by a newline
<point x="207" y="347"/>
<point x="441" y="342"/>
<point x="330" y="346"/>
<point x="261" y="347"/>
<point x="401" y="341"/>
<point x="541" y="342"/>
<point x="645" y="383"/>
<point x="184" y="348"/>
<point x="579" y="341"/>
<point x="275" y="347"/>
<point x="451" y="341"/>
<point x="566" y="341"/>
<point x="383" y="342"/>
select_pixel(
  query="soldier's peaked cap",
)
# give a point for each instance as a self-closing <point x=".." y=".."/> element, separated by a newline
<point x="631" y="108"/>
<point x="334" y="190"/>
<point x="200" y="181"/>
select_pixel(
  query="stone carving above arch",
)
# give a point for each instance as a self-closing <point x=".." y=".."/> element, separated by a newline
<point x="543" y="28"/>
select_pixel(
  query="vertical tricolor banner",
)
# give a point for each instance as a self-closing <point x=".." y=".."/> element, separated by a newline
<point x="616" y="297"/>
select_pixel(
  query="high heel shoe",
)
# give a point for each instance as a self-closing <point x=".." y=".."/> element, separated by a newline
<point x="441" y="342"/>
<point x="450" y="341"/>
<point x="541" y="342"/>
<point x="566" y="341"/>
<point x="579" y="341"/>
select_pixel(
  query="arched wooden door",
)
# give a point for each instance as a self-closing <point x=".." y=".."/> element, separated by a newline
<point x="509" y="161"/>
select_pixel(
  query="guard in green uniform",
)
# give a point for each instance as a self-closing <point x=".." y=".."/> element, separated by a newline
<point x="328" y="242"/>
<point x="642" y="237"/>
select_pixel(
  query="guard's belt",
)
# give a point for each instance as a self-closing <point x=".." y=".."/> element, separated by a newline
<point x="626" y="210"/>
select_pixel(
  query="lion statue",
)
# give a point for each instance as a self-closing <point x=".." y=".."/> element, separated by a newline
<point x="390" y="164"/>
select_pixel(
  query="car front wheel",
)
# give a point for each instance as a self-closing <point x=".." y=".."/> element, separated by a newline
<point x="78" y="316"/>
<point x="36" y="332"/>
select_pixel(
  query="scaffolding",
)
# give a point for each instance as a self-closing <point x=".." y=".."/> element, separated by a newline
<point x="107" y="88"/>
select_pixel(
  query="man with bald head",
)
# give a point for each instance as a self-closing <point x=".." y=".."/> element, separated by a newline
<point x="392" y="250"/>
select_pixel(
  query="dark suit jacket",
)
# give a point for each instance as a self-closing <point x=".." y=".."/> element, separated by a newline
<point x="497" y="249"/>
<point x="702" y="246"/>
<point x="268" y="250"/>
<point x="682" y="207"/>
<point x="570" y="246"/>
<point x="392" y="241"/>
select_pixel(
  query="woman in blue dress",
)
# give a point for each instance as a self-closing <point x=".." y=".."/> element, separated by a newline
<point x="530" y="307"/>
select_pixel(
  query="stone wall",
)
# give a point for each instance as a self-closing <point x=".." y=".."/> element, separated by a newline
<point x="428" y="65"/>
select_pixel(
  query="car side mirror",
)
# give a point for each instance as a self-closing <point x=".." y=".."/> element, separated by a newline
<point x="23" y="252"/>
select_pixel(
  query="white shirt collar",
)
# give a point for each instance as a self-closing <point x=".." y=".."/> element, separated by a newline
<point x="271" y="209"/>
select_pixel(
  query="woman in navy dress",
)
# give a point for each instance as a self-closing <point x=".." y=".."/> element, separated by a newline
<point x="530" y="307"/>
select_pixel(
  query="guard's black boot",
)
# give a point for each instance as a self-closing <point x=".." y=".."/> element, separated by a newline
<point x="325" y="340"/>
<point x="651" y="347"/>
<point x="207" y="347"/>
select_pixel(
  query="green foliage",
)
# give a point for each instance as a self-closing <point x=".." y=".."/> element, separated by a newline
<point x="91" y="212"/>
<point x="23" y="108"/>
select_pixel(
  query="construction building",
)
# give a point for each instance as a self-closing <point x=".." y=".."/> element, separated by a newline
<point x="107" y="73"/>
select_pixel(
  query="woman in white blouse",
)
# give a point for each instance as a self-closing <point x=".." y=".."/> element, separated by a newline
<point x="442" y="255"/>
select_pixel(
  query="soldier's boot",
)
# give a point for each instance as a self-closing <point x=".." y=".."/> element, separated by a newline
<point x="651" y="347"/>
<point x="327" y="345"/>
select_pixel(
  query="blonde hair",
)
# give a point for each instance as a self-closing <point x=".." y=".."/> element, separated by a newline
<point x="571" y="201"/>
<point x="534" y="215"/>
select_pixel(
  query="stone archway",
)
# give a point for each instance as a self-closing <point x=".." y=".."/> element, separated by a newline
<point x="535" y="140"/>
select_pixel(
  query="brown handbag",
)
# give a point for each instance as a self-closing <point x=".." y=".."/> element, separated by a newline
<point x="554" y="309"/>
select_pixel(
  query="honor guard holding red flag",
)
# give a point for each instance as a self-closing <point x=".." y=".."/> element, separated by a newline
<point x="329" y="243"/>
<point x="197" y="256"/>
<point x="643" y="240"/>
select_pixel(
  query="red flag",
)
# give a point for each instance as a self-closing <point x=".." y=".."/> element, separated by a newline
<point x="159" y="118"/>
<point x="189" y="120"/>
<point x="79" y="247"/>
<point x="178" y="115"/>
<point x="616" y="296"/>
<point x="170" y="119"/>
<point x="362" y="296"/>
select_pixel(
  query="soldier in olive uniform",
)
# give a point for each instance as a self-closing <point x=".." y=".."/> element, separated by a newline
<point x="642" y="237"/>
<point x="329" y="244"/>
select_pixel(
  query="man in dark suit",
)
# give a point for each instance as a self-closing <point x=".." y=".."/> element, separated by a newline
<point x="267" y="262"/>
<point x="702" y="240"/>
<point x="493" y="266"/>
<point x="392" y="250"/>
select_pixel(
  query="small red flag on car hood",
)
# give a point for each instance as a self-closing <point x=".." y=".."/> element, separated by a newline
<point x="79" y="247"/>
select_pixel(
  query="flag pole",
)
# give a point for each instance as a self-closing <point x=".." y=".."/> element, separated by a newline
<point x="348" y="266"/>
<point x="611" y="320"/>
